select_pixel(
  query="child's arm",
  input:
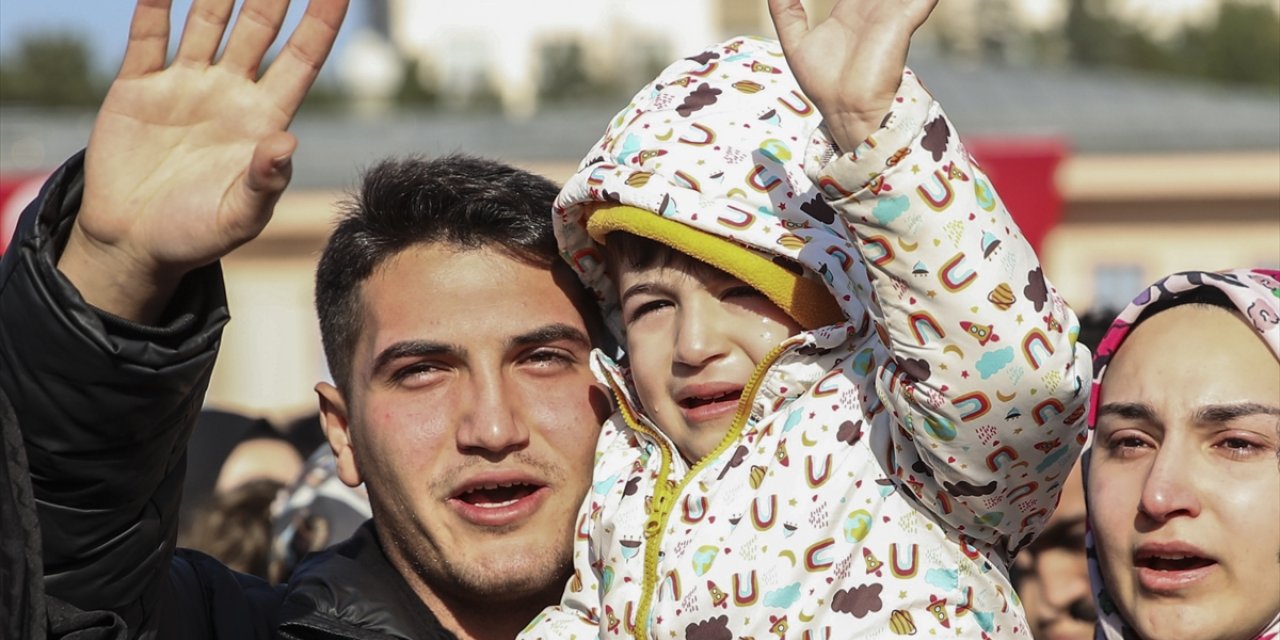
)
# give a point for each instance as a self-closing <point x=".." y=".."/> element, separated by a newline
<point x="985" y="380"/>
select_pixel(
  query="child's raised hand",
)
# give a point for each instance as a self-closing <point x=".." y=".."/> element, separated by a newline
<point x="850" y="64"/>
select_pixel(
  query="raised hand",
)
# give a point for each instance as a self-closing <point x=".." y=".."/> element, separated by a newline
<point x="186" y="162"/>
<point x="850" y="64"/>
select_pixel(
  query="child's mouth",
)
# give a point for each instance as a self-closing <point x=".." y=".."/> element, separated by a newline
<point x="713" y="405"/>
<point x="698" y="401"/>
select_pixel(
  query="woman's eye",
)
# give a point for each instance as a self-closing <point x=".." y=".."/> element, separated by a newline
<point x="1241" y="447"/>
<point x="1125" y="445"/>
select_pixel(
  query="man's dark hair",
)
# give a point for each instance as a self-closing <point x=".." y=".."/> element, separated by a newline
<point x="458" y="200"/>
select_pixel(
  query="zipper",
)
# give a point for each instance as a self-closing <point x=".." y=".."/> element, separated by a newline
<point x="665" y="492"/>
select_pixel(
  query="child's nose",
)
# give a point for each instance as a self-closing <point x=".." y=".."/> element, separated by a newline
<point x="701" y="336"/>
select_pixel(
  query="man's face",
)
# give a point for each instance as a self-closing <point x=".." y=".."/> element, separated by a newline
<point x="1184" y="487"/>
<point x="472" y="418"/>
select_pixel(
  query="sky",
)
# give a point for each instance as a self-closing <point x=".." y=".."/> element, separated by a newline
<point x="105" y="24"/>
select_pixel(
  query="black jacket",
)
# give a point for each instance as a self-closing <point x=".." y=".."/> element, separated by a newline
<point x="105" y="408"/>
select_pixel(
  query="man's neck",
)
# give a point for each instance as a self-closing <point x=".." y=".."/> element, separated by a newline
<point x="487" y="621"/>
<point x="480" y="618"/>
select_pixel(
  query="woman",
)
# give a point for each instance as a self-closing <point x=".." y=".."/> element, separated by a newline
<point x="1181" y="472"/>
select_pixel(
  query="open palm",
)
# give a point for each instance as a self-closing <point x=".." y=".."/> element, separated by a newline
<point x="186" y="162"/>
<point x="850" y="63"/>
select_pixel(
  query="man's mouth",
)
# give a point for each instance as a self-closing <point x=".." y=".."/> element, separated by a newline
<point x="499" y="502"/>
<point x="494" y="496"/>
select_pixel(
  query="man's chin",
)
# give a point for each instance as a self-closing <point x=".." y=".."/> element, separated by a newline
<point x="510" y="571"/>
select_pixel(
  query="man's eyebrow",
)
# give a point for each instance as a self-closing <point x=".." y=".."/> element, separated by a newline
<point x="1217" y="413"/>
<point x="1128" y="411"/>
<point x="550" y="333"/>
<point x="413" y="349"/>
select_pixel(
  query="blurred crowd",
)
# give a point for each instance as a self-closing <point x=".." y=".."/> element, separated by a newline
<point x="259" y="496"/>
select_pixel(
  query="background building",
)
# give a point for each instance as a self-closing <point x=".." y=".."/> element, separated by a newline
<point x="1121" y="176"/>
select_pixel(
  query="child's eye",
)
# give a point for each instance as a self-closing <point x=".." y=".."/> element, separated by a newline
<point x="645" y="308"/>
<point x="742" y="291"/>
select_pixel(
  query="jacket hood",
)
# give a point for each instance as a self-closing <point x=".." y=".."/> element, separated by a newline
<point x="717" y="144"/>
<point x="1255" y="293"/>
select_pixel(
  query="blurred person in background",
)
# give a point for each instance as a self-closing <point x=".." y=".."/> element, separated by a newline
<point x="1181" y="472"/>
<point x="1052" y="574"/>
<point x="235" y="467"/>
<point x="317" y="510"/>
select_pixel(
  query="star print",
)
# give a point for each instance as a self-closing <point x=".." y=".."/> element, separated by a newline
<point x="1019" y="318"/>
<point x="964" y="374"/>
<point x="931" y="293"/>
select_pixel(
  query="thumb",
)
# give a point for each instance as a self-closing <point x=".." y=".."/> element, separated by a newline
<point x="270" y="170"/>
<point x="264" y="182"/>
<point x="256" y="197"/>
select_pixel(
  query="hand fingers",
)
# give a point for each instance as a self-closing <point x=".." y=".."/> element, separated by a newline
<point x="293" y="71"/>
<point x="918" y="11"/>
<point x="148" y="39"/>
<point x="203" y="32"/>
<point x="790" y="21"/>
<point x="256" y="28"/>
<point x="268" y="175"/>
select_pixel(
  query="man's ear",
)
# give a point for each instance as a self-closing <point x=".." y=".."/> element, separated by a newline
<point x="337" y="430"/>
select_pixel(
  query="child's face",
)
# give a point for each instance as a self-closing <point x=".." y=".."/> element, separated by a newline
<point x="694" y="336"/>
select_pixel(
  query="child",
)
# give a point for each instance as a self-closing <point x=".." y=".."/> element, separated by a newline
<point x="849" y="397"/>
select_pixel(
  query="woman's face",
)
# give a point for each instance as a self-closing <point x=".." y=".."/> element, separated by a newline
<point x="1184" y="480"/>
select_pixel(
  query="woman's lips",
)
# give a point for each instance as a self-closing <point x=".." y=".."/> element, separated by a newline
<point x="1168" y="568"/>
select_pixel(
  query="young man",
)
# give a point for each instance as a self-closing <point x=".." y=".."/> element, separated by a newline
<point x="464" y="400"/>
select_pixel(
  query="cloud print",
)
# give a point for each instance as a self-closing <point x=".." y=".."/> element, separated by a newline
<point x="784" y="597"/>
<point x="968" y="489"/>
<point x="992" y="362"/>
<point x="716" y="628"/>
<point x="889" y="209"/>
<point x="703" y="96"/>
<point x="858" y="601"/>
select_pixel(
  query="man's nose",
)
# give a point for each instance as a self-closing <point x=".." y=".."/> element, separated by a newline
<point x="489" y="423"/>
<point x="1169" y="490"/>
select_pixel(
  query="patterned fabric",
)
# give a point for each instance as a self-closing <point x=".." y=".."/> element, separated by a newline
<point x="885" y="468"/>
<point x="1256" y="293"/>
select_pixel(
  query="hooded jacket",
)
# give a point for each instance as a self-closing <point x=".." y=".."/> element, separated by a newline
<point x="100" y="410"/>
<point x="1256" y="295"/>
<point x="883" y="468"/>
